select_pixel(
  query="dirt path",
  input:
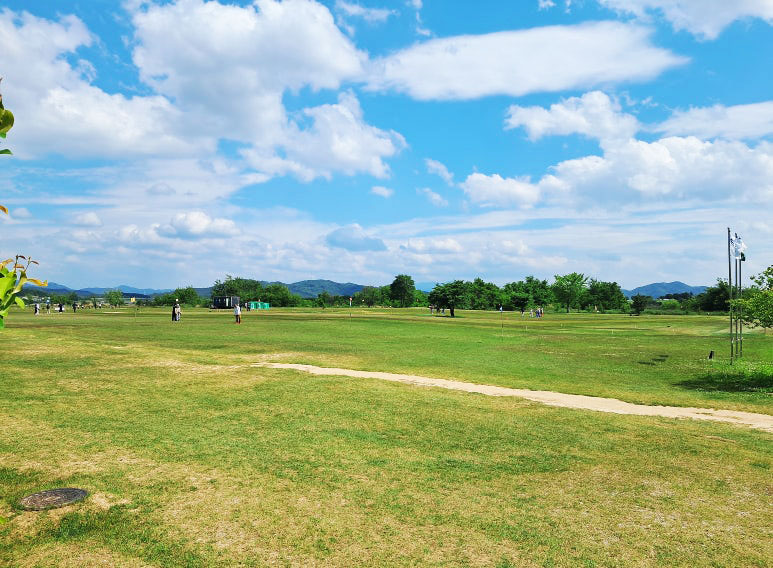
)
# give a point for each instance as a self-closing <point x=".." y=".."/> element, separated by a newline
<point x="759" y="421"/>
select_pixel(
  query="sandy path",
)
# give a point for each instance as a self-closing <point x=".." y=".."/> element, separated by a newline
<point x="759" y="421"/>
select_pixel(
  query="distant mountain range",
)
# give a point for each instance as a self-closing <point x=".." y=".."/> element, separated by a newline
<point x="659" y="289"/>
<point x="311" y="288"/>
<point x="304" y="288"/>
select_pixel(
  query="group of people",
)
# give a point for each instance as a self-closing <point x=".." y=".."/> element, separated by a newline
<point x="538" y="313"/>
<point x="176" y="312"/>
<point x="60" y="307"/>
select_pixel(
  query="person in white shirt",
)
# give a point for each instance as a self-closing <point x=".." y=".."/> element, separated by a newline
<point x="238" y="313"/>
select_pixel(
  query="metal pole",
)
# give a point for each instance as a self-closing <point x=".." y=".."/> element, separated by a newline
<point x="740" y="310"/>
<point x="737" y="342"/>
<point x="730" y="293"/>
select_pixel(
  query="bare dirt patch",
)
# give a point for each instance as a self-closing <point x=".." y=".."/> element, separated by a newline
<point x="583" y="402"/>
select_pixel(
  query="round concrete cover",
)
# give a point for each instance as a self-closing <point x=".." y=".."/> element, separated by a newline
<point x="53" y="498"/>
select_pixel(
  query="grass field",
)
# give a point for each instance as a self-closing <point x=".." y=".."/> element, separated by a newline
<point x="195" y="458"/>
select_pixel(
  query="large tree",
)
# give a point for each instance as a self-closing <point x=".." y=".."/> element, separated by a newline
<point x="569" y="288"/>
<point x="756" y="307"/>
<point x="402" y="289"/>
<point x="606" y="295"/>
<point x="114" y="297"/>
<point x="639" y="303"/>
<point x="451" y="295"/>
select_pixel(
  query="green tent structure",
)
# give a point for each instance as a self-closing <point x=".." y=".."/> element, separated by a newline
<point x="258" y="305"/>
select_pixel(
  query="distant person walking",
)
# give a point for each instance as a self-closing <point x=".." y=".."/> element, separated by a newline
<point x="238" y="313"/>
<point x="176" y="311"/>
<point x="74" y="307"/>
<point x="48" y="306"/>
<point x="37" y="308"/>
<point x="61" y="308"/>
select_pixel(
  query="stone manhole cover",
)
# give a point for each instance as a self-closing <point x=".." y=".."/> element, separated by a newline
<point x="53" y="498"/>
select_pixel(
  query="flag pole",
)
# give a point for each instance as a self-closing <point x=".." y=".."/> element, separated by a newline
<point x="730" y="293"/>
<point x="740" y="308"/>
<point x="737" y="342"/>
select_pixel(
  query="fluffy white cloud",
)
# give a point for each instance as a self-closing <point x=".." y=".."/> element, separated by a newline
<point x="719" y="121"/>
<point x="58" y="109"/>
<point x="593" y="114"/>
<point x="674" y="167"/>
<point x="438" y="168"/>
<point x="353" y="238"/>
<point x="197" y="225"/>
<point x="382" y="191"/>
<point x="434" y="198"/>
<point x="527" y="61"/>
<point x="88" y="219"/>
<point x="268" y="47"/>
<point x="704" y="18"/>
<point x="337" y="140"/>
<point x="494" y="190"/>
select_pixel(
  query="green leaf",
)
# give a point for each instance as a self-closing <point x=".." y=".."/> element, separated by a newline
<point x="6" y="120"/>
<point x="5" y="151"/>
<point x="3" y="135"/>
<point x="19" y="302"/>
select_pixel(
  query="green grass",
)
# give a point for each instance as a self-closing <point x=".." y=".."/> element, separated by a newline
<point x="194" y="458"/>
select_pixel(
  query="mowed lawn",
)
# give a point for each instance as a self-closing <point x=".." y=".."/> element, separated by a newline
<point x="195" y="458"/>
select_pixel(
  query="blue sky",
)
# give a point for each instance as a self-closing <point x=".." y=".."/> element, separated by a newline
<point x="171" y="143"/>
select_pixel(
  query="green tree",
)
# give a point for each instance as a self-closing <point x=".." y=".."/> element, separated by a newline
<point x="401" y="290"/>
<point x="114" y="297"/>
<point x="568" y="289"/>
<point x="484" y="295"/>
<point x="639" y="303"/>
<point x="713" y="299"/>
<point x="369" y="296"/>
<point x="451" y="295"/>
<point x="756" y="307"/>
<point x="187" y="296"/>
<point x="324" y="299"/>
<point x="606" y="295"/>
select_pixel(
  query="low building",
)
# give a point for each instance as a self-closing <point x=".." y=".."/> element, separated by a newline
<point x="224" y="302"/>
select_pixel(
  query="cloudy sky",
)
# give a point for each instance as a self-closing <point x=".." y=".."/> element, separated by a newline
<point x="166" y="143"/>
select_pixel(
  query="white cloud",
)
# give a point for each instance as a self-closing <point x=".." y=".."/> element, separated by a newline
<point x="58" y="110"/>
<point x="353" y="238"/>
<point x="703" y="18"/>
<point x="438" y="168"/>
<point x="197" y="225"/>
<point x="675" y="168"/>
<point x="732" y="122"/>
<point x="433" y="245"/>
<point x="269" y="47"/>
<point x="372" y="15"/>
<point x="495" y="190"/>
<point x="545" y="4"/>
<point x="593" y="114"/>
<point x="338" y="140"/>
<point x="434" y="198"/>
<point x="382" y="191"/>
<point x="21" y="213"/>
<point x="88" y="219"/>
<point x="559" y="57"/>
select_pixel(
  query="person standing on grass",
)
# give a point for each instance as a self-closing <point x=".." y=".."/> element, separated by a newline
<point x="238" y="313"/>
<point x="48" y="306"/>
<point x="37" y="308"/>
<point x="176" y="311"/>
